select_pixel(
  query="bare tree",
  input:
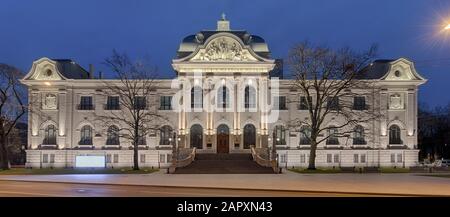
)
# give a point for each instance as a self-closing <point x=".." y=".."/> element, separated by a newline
<point x="133" y="85"/>
<point x="12" y="108"/>
<point x="329" y="81"/>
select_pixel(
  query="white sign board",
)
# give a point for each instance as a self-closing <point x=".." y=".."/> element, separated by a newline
<point x="90" y="161"/>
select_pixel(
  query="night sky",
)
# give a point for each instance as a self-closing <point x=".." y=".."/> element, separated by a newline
<point x="88" y="30"/>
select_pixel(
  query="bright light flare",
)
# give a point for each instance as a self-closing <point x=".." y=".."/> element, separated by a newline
<point x="447" y="27"/>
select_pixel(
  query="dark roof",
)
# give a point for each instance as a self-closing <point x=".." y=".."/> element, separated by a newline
<point x="71" y="69"/>
<point x="376" y="70"/>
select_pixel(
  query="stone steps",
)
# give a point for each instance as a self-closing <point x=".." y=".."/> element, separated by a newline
<point x="224" y="164"/>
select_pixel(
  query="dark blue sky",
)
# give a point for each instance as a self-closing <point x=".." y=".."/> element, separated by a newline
<point x="87" y="30"/>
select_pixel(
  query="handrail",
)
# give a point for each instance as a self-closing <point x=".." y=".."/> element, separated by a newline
<point x="188" y="160"/>
<point x="264" y="162"/>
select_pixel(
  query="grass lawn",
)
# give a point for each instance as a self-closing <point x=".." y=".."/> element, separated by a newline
<point x="48" y="171"/>
<point x="316" y="171"/>
<point x="441" y="176"/>
<point x="394" y="170"/>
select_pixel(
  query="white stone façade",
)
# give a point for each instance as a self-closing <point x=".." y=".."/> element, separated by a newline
<point x="233" y="82"/>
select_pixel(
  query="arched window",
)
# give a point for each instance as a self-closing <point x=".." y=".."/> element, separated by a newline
<point x="394" y="135"/>
<point x="86" y="135"/>
<point x="223" y="97"/>
<point x="358" y="135"/>
<point x="196" y="136"/>
<point x="305" y="135"/>
<point x="249" y="136"/>
<point x="279" y="135"/>
<point x="50" y="135"/>
<point x="332" y="136"/>
<point x="165" y="135"/>
<point x="250" y="97"/>
<point x="112" y="135"/>
<point x="197" y="97"/>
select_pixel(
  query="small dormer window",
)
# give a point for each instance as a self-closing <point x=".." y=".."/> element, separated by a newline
<point x="397" y="73"/>
<point x="49" y="72"/>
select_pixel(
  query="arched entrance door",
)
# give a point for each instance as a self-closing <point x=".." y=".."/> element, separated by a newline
<point x="249" y="136"/>
<point x="223" y="139"/>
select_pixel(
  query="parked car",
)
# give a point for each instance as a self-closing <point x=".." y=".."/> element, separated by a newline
<point x="445" y="162"/>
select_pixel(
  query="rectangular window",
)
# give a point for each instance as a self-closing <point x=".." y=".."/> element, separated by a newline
<point x="329" y="158"/>
<point x="165" y="103"/>
<point x="45" y="158"/>
<point x="302" y="158"/>
<point x="108" y="158"/>
<point x="162" y="158"/>
<point x="169" y="158"/>
<point x="304" y="103"/>
<point x="140" y="103"/>
<point x="363" y="158"/>
<point x="283" y="158"/>
<point x="333" y="103"/>
<point x="52" y="158"/>
<point x="399" y="158"/>
<point x="86" y="103"/>
<point x="336" y="158"/>
<point x="116" y="158"/>
<point x="142" y="158"/>
<point x="392" y="158"/>
<point x="359" y="103"/>
<point x="355" y="158"/>
<point x="280" y="103"/>
<point x="112" y="103"/>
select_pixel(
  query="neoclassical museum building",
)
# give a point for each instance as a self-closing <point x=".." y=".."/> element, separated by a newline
<point x="226" y="78"/>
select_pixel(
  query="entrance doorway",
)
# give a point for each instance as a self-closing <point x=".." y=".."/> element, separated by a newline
<point x="223" y="139"/>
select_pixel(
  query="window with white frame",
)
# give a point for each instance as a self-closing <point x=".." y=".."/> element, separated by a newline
<point x="392" y="158"/>
<point x="399" y="158"/>
<point x="363" y="158"/>
<point x="283" y="158"/>
<point x="162" y="158"/>
<point x="45" y="158"/>
<point x="108" y="158"/>
<point x="52" y="158"/>
<point x="116" y="158"/>
<point x="302" y="158"/>
<point x="336" y="158"/>
<point x="329" y="158"/>
<point x="142" y="157"/>
<point x="355" y="158"/>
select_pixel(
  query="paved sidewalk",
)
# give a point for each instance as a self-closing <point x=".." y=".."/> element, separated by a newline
<point x="403" y="184"/>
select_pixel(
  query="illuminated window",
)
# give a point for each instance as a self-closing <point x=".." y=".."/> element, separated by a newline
<point x="223" y="97"/>
<point x="113" y="136"/>
<point x="250" y="97"/>
<point x="394" y="135"/>
<point x="165" y="133"/>
<point x="358" y="135"/>
<point x="196" y="97"/>
<point x="332" y="136"/>
<point x="50" y="135"/>
<point x="86" y="135"/>
<point x="279" y="135"/>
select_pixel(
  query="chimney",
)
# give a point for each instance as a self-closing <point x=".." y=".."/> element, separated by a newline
<point x="100" y="75"/>
<point x="91" y="71"/>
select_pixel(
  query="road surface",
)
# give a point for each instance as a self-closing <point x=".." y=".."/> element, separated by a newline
<point x="42" y="189"/>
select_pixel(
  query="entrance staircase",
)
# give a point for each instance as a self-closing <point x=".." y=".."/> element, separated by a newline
<point x="224" y="164"/>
